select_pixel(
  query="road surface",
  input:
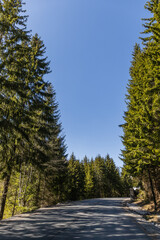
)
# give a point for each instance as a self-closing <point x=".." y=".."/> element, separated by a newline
<point x="88" y="219"/>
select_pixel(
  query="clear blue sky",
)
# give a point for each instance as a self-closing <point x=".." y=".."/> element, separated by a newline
<point x="89" y="44"/>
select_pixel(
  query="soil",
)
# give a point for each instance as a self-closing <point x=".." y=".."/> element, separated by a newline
<point x="152" y="216"/>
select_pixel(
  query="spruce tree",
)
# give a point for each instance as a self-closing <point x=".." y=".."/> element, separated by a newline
<point x="56" y="166"/>
<point x="114" y="184"/>
<point x="28" y="132"/>
<point x="88" y="179"/>
<point x="101" y="177"/>
<point x="131" y="153"/>
<point x="75" y="179"/>
<point x="13" y="36"/>
<point x="141" y="130"/>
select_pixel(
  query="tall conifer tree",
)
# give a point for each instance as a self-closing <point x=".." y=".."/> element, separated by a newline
<point x="141" y="130"/>
<point x="13" y="36"/>
<point x="27" y="128"/>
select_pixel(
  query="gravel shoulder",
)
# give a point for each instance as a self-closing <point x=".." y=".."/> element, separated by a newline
<point x="138" y="213"/>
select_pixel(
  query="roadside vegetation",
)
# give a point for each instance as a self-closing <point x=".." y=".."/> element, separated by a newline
<point x="141" y="138"/>
<point x="31" y="188"/>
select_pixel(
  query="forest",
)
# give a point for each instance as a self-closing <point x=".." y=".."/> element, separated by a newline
<point x="35" y="170"/>
<point x="31" y="188"/>
<point x="141" y="138"/>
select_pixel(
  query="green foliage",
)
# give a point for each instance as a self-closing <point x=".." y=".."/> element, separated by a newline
<point x="75" y="179"/>
<point x="96" y="178"/>
<point x="127" y="182"/>
<point x="33" y="167"/>
<point x="114" y="178"/>
<point x="88" y="182"/>
<point x="141" y="128"/>
<point x="31" y="135"/>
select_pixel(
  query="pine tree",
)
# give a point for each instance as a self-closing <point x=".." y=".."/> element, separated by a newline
<point x="114" y="184"/>
<point x="141" y="130"/>
<point x="101" y="177"/>
<point x="13" y="36"/>
<point x="88" y="179"/>
<point x="56" y="166"/>
<point x="27" y="134"/>
<point x="132" y="116"/>
<point x="75" y="179"/>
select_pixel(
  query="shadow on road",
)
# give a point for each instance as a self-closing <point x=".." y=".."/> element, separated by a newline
<point x="88" y="219"/>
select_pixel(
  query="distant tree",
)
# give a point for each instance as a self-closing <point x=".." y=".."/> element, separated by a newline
<point x="114" y="184"/>
<point x="75" y="179"/>
<point x="127" y="182"/>
<point x="88" y="179"/>
<point x="101" y="177"/>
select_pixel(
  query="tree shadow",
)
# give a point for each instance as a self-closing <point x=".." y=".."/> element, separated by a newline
<point x="88" y="219"/>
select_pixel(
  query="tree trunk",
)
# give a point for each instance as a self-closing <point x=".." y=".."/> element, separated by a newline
<point x="37" y="199"/>
<point x="44" y="192"/>
<point x="4" y="195"/>
<point x="26" y="185"/>
<point x="20" y="187"/>
<point x="15" y="199"/>
<point x="152" y="189"/>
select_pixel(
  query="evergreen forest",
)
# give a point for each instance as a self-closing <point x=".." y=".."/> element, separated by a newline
<point x="141" y="138"/>
<point x="35" y="170"/>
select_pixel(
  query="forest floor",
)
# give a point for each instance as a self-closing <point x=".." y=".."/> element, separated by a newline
<point x="152" y="216"/>
<point x="146" y="215"/>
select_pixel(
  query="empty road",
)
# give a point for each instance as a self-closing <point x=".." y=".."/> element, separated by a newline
<point x="88" y="219"/>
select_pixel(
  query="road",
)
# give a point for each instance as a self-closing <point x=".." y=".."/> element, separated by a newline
<point x="88" y="219"/>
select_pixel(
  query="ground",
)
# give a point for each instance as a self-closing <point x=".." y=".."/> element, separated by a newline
<point x="99" y="219"/>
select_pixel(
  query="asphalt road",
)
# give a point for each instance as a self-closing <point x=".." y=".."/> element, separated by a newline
<point x="89" y="219"/>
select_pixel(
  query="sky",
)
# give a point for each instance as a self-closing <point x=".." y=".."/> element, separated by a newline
<point x="89" y="44"/>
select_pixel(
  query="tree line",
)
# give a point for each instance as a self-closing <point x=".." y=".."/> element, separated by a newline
<point x="141" y="138"/>
<point x="77" y="180"/>
<point x="31" y="141"/>
<point x="34" y="170"/>
<point x="95" y="178"/>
